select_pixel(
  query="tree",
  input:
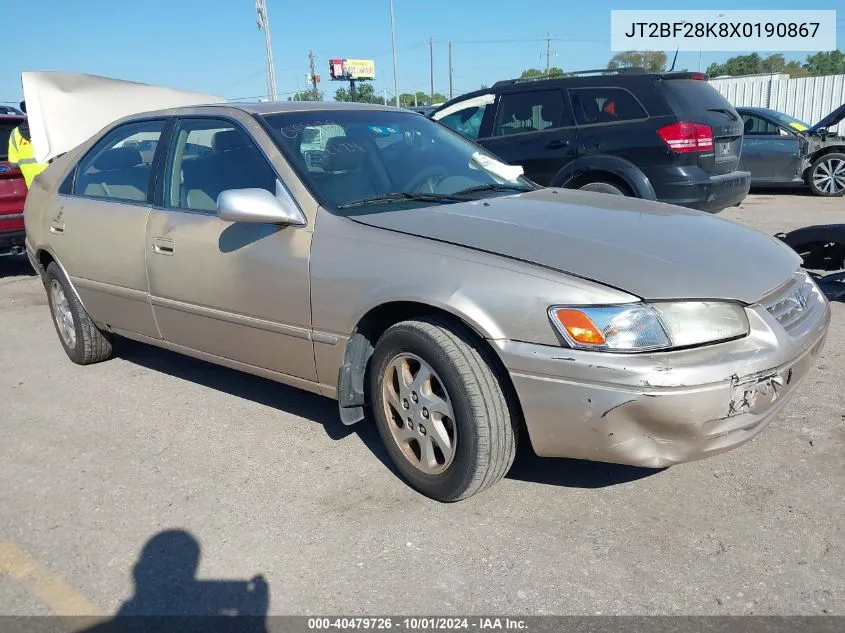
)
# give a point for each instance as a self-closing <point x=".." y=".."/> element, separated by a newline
<point x="307" y="95"/>
<point x="654" y="61"/>
<point x="364" y="93"/>
<point x="534" y="73"/>
<point x="795" y="69"/>
<point x="409" y="100"/>
<point x="773" y="64"/>
<point x="739" y="65"/>
<point x="826" y="63"/>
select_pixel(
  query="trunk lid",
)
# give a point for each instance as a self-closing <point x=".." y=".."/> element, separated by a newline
<point x="696" y="101"/>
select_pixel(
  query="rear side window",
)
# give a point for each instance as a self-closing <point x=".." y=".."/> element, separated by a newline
<point x="531" y="111"/>
<point x="120" y="165"/>
<point x="605" y="105"/>
<point x="5" y="133"/>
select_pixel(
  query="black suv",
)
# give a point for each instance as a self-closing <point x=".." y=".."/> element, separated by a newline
<point x="661" y="136"/>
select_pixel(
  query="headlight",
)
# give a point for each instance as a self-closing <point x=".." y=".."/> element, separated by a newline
<point x="642" y="327"/>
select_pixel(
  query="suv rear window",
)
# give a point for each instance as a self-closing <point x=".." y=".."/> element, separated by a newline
<point x="605" y="105"/>
<point x="5" y="132"/>
<point x="694" y="95"/>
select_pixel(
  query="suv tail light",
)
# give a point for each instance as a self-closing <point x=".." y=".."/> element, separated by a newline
<point x="687" y="137"/>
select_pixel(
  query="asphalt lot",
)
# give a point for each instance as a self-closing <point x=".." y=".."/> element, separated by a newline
<point x="96" y="461"/>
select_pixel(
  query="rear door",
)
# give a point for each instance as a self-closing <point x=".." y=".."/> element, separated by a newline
<point x="696" y="101"/>
<point x="535" y="129"/>
<point x="770" y="152"/>
<point x="97" y="226"/>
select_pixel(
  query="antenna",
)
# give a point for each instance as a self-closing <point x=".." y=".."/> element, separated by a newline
<point x="675" y="58"/>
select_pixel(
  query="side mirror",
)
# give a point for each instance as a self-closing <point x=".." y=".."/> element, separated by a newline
<point x="259" y="206"/>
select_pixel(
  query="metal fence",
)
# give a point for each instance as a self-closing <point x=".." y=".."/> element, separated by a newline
<point x="805" y="98"/>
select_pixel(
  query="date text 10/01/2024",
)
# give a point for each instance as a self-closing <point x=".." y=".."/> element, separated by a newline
<point x="418" y="624"/>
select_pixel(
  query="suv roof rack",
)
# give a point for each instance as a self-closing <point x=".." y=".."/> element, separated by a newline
<point x="575" y="73"/>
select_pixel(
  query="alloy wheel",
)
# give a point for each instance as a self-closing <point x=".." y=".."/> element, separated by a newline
<point x="419" y="413"/>
<point x="829" y="176"/>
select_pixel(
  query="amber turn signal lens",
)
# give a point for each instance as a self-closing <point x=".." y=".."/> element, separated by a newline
<point x="580" y="327"/>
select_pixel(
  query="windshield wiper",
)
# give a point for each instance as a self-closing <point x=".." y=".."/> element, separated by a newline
<point x="397" y="196"/>
<point x="493" y="186"/>
<point x="724" y="111"/>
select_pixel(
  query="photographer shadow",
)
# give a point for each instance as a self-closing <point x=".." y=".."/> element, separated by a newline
<point x="169" y="597"/>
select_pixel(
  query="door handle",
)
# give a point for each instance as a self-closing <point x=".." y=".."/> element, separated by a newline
<point x="57" y="226"/>
<point x="163" y="246"/>
<point x="557" y="144"/>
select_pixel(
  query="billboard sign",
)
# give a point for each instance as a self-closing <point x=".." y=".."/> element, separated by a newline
<point x="352" y="68"/>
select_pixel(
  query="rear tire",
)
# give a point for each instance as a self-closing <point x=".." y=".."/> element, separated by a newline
<point x="83" y="342"/>
<point x="467" y="441"/>
<point x="827" y="175"/>
<point x="603" y="187"/>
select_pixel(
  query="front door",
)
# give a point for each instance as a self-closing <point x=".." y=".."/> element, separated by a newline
<point x="534" y="129"/>
<point x="235" y="290"/>
<point x="97" y="229"/>
<point x="770" y="152"/>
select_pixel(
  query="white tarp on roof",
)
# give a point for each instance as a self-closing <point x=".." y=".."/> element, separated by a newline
<point x="66" y="109"/>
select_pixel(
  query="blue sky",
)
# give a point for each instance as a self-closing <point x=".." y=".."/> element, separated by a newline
<point x="215" y="46"/>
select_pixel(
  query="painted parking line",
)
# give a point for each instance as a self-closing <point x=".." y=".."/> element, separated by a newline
<point x="50" y="589"/>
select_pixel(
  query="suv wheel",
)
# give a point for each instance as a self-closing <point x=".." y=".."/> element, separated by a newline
<point x="827" y="175"/>
<point x="440" y="410"/>
<point x="83" y="341"/>
<point x="602" y="187"/>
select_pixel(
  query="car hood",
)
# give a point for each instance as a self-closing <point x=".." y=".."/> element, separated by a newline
<point x="652" y="250"/>
<point x="830" y="120"/>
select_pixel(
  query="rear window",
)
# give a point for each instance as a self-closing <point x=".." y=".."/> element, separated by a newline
<point x="694" y="95"/>
<point x="5" y="132"/>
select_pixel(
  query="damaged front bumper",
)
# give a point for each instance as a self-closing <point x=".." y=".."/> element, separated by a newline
<point x="659" y="409"/>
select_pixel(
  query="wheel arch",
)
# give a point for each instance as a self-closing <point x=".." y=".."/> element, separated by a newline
<point x="598" y="167"/>
<point x="44" y="257"/>
<point x="353" y="375"/>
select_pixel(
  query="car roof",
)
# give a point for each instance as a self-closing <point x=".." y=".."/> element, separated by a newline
<point x="590" y="78"/>
<point x="274" y="107"/>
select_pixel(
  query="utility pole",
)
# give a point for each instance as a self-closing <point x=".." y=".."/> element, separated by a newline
<point x="393" y="39"/>
<point x="450" y="70"/>
<point x="313" y="75"/>
<point x="548" y="51"/>
<point x="264" y="25"/>
<point x="431" y="68"/>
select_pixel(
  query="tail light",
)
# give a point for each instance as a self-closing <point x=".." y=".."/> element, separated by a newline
<point x="698" y="76"/>
<point x="687" y="137"/>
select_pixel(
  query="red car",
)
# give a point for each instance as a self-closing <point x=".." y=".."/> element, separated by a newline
<point x="12" y="192"/>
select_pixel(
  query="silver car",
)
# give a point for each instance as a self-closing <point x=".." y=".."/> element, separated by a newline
<point x="373" y="256"/>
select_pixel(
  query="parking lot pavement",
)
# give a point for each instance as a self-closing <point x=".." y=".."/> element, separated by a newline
<point x="95" y="461"/>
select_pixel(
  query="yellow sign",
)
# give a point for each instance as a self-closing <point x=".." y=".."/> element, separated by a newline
<point x="798" y="126"/>
<point x="360" y="68"/>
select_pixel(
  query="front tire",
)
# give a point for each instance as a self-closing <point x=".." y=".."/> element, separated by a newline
<point x="440" y="409"/>
<point x="827" y="175"/>
<point x="83" y="342"/>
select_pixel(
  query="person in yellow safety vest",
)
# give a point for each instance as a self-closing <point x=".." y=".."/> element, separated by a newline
<point x="22" y="152"/>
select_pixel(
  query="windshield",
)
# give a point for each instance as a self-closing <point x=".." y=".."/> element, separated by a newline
<point x="789" y="121"/>
<point x="364" y="158"/>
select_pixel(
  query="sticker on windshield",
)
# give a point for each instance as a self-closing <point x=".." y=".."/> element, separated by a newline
<point x="798" y="126"/>
<point x="497" y="168"/>
<point x="383" y="130"/>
